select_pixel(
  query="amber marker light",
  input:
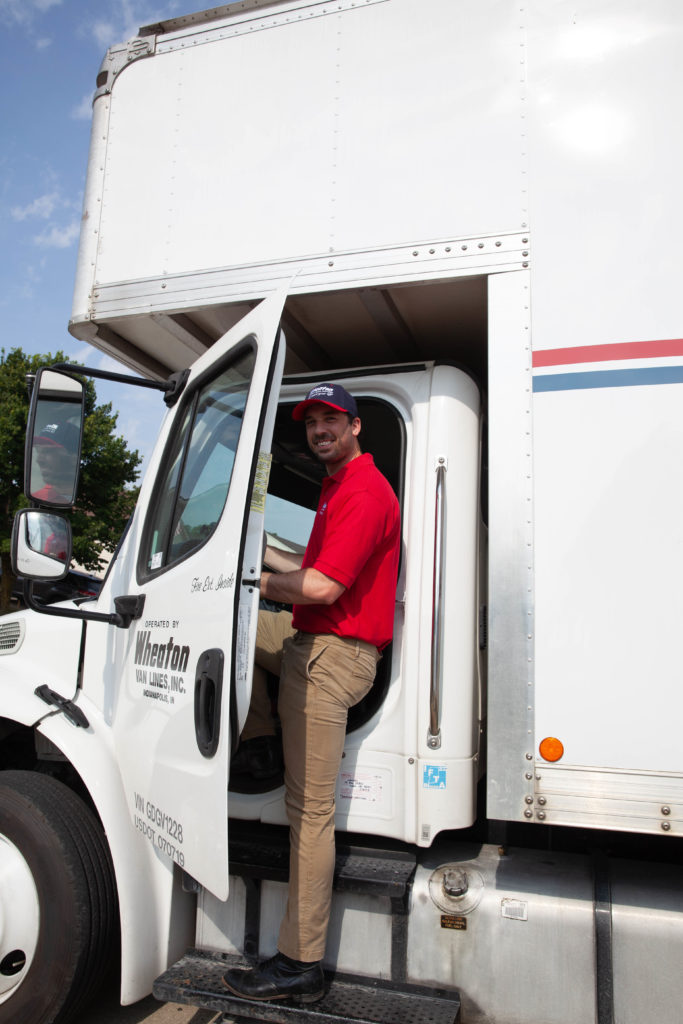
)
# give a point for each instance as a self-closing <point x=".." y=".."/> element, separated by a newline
<point x="551" y="749"/>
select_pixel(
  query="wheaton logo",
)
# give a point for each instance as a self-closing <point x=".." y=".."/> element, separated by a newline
<point x="168" y="655"/>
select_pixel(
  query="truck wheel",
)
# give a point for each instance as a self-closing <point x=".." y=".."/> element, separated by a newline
<point x="58" y="906"/>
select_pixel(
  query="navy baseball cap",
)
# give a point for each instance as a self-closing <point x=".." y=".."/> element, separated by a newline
<point x="333" y="395"/>
<point x="60" y="435"/>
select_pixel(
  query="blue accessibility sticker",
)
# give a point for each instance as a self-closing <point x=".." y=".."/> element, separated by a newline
<point x="434" y="776"/>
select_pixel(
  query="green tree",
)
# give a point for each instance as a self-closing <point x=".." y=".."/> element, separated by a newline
<point x="106" y="497"/>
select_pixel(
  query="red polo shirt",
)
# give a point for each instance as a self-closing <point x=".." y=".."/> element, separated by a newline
<point x="355" y="540"/>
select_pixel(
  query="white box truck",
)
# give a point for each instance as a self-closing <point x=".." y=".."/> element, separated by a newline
<point x="468" y="213"/>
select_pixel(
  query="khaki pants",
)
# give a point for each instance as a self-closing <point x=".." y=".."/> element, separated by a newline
<point x="321" y="677"/>
<point x="272" y="631"/>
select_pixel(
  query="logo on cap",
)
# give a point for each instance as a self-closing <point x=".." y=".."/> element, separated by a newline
<point x="333" y="395"/>
<point x="60" y="435"/>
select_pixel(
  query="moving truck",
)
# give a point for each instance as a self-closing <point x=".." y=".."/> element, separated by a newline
<point x="467" y="212"/>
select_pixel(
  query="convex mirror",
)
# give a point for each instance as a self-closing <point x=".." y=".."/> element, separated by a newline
<point x="41" y="545"/>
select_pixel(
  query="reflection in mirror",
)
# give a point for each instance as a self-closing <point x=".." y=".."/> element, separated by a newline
<point x="55" y="439"/>
<point x="41" y="544"/>
<point x="58" y="385"/>
<point x="47" y="534"/>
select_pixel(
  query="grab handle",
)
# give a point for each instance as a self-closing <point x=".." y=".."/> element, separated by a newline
<point x="434" y="732"/>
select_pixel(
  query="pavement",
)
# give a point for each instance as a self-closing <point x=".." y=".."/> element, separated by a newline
<point x="105" y="1009"/>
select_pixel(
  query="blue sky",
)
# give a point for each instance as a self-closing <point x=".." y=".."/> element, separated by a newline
<point x="50" y="53"/>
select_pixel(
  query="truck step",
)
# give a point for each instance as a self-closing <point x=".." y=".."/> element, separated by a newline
<point x="369" y="871"/>
<point x="196" y="980"/>
<point x="357" y="869"/>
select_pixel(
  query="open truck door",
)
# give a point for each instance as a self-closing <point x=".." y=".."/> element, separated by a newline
<point x="188" y="660"/>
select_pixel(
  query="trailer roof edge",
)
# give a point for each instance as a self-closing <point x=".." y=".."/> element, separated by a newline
<point x="204" y="17"/>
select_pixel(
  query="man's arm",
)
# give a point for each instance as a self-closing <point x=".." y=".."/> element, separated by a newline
<point x="303" y="586"/>
<point x="280" y="560"/>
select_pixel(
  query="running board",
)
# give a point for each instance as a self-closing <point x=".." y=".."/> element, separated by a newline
<point x="368" y="870"/>
<point x="197" y="980"/>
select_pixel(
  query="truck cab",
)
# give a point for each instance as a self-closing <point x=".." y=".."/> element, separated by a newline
<point x="450" y="208"/>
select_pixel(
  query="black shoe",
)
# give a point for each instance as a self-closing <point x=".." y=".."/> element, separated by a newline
<point x="259" y="757"/>
<point x="278" y="978"/>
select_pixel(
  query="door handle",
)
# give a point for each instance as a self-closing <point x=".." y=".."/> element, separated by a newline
<point x="208" y="688"/>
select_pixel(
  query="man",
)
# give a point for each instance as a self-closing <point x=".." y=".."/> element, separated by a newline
<point x="56" y="455"/>
<point x="343" y="599"/>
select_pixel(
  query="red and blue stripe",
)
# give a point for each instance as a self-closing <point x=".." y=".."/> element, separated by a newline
<point x="615" y="377"/>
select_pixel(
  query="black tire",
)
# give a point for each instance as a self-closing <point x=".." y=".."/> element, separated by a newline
<point x="64" y="847"/>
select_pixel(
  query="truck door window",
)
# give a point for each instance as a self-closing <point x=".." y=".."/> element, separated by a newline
<point x="194" y="486"/>
<point x="288" y="523"/>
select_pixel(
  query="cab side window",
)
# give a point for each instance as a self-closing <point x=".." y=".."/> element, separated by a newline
<point x="194" y="486"/>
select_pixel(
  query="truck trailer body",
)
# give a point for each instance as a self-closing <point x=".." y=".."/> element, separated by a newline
<point x="466" y="213"/>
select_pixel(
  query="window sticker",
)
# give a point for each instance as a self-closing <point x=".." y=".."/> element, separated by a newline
<point x="258" y="495"/>
<point x="242" y="647"/>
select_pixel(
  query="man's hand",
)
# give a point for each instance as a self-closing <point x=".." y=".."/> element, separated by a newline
<point x="303" y="586"/>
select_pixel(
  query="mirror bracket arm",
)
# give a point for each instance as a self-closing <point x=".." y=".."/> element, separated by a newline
<point x="172" y="387"/>
<point x="128" y="608"/>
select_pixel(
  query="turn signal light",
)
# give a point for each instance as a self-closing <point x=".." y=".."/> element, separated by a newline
<point x="551" y="749"/>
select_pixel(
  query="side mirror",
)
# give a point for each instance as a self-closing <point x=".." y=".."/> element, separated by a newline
<point x="53" y="439"/>
<point x="41" y="545"/>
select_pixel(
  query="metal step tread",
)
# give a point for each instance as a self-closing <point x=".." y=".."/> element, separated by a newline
<point x="196" y="980"/>
<point x="356" y="869"/>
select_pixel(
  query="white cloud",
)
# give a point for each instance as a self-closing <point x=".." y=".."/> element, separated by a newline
<point x="83" y="111"/>
<point x="53" y="208"/>
<point x="23" y="12"/>
<point x="84" y="354"/>
<point x="125" y="17"/>
<point x="58" y="237"/>
<point x="42" y="207"/>
<point x="105" y="33"/>
<point x="24" y="286"/>
<point x="42" y="44"/>
<point x="14" y="10"/>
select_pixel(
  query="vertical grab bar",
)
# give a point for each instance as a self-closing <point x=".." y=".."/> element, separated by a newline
<point x="434" y="733"/>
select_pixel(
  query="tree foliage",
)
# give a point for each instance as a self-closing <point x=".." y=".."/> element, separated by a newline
<point x="106" y="497"/>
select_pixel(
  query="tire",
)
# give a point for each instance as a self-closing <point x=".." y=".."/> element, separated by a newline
<point x="58" y="908"/>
